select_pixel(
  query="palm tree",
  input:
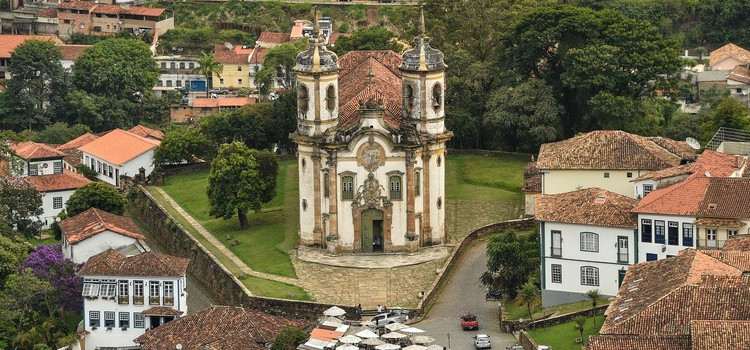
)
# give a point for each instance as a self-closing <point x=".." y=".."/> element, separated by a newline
<point x="580" y="322"/>
<point x="594" y="296"/>
<point x="207" y="66"/>
<point x="528" y="295"/>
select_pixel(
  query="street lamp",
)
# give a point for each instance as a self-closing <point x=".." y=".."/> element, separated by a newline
<point x="449" y="341"/>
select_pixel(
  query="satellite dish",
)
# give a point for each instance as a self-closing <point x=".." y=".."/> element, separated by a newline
<point x="229" y="46"/>
<point x="693" y="143"/>
<point x="707" y="174"/>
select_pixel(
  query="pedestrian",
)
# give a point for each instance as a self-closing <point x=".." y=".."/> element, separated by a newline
<point x="380" y="309"/>
<point x="385" y="309"/>
<point x="358" y="311"/>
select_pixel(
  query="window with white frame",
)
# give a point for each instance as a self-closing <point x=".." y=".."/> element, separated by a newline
<point x="94" y="320"/>
<point x="138" y="292"/>
<point x="556" y="273"/>
<point x="687" y="235"/>
<point x="732" y="232"/>
<point x="33" y="169"/>
<point x="124" y="320"/>
<point x="57" y="203"/>
<point x="110" y="171"/>
<point x="589" y="276"/>
<point x="168" y="293"/>
<point x="90" y="289"/>
<point x="153" y="293"/>
<point x="57" y="167"/>
<point x="647" y="189"/>
<point x="646" y="231"/>
<point x="659" y="231"/>
<point x="138" y="320"/>
<point x="107" y="290"/>
<point x="589" y="242"/>
<point x="124" y="292"/>
<point x="109" y="319"/>
<point x="556" y="243"/>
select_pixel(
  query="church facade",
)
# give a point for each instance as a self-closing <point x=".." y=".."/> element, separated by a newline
<point x="371" y="148"/>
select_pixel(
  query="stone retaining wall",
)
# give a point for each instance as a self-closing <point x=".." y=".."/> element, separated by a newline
<point x="455" y="257"/>
<point x="546" y="322"/>
<point x="525" y="340"/>
<point x="219" y="282"/>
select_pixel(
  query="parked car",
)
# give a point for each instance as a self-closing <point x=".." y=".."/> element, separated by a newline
<point x="493" y="294"/>
<point x="219" y="91"/>
<point x="387" y="318"/>
<point x="514" y="347"/>
<point x="469" y="321"/>
<point x="544" y="347"/>
<point x="482" y="341"/>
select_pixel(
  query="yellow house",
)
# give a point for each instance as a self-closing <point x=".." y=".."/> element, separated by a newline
<point x="236" y="71"/>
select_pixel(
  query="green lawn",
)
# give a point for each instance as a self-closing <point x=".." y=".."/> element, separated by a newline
<point x="514" y="312"/>
<point x="264" y="244"/>
<point x="562" y="336"/>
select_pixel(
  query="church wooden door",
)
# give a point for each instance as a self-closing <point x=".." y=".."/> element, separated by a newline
<point x="372" y="230"/>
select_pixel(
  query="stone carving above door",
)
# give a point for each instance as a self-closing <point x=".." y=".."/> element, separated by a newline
<point x="371" y="155"/>
<point x="369" y="195"/>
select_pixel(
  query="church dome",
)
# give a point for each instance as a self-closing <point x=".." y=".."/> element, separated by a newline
<point x="422" y="57"/>
<point x="316" y="59"/>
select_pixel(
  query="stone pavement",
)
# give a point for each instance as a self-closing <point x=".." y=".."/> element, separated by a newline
<point x="373" y="261"/>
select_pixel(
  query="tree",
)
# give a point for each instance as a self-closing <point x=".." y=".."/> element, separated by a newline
<point x="528" y="295"/>
<point x="594" y="296"/>
<point x="208" y="67"/>
<point x="247" y="124"/>
<point x="729" y="113"/>
<point x="372" y="38"/>
<point x="96" y="195"/>
<point x="22" y="204"/>
<point x="24" y="301"/>
<point x="48" y="264"/>
<point x="99" y="112"/>
<point x="180" y="145"/>
<point x="234" y="183"/>
<point x="283" y="120"/>
<point x="12" y="254"/>
<point x="580" y="325"/>
<point x="289" y="338"/>
<point x="268" y="168"/>
<point x="278" y="67"/>
<point x="116" y="67"/>
<point x="60" y="132"/>
<point x="511" y="261"/>
<point x="38" y="86"/>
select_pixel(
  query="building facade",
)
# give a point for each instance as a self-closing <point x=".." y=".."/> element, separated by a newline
<point x="119" y="153"/>
<point x="93" y="231"/>
<point x="371" y="139"/>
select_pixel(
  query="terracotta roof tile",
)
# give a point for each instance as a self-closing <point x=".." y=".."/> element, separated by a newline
<point x="740" y="242"/>
<point x="680" y="148"/>
<point x="58" y="182"/>
<point x="77" y="5"/>
<point x="607" y="150"/>
<point x="78" y="141"/>
<point x="355" y="87"/>
<point x="724" y="334"/>
<point x="143" y="131"/>
<point x="258" y="55"/>
<point x="202" y="102"/>
<point x="532" y="178"/>
<point x="240" y="328"/>
<point x="71" y="52"/>
<point x="273" y="38"/>
<point x="108" y="9"/>
<point x="143" y="11"/>
<point x="727" y="51"/>
<point x="224" y="55"/>
<point x="33" y="150"/>
<point x="162" y="311"/>
<point x="726" y="198"/>
<point x="48" y="12"/>
<point x="591" y="206"/>
<point x="119" y="146"/>
<point x="733" y="257"/>
<point x="112" y="263"/>
<point x="640" y="342"/>
<point x="683" y="198"/>
<point x="94" y="221"/>
<point x="741" y="74"/>
<point x="718" y="222"/>
<point x="715" y="163"/>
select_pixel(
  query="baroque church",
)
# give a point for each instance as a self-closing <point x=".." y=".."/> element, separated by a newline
<point x="371" y="140"/>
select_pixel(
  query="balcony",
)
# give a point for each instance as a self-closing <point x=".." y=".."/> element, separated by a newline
<point x="710" y="243"/>
<point x="153" y="300"/>
<point x="123" y="299"/>
<point x="138" y="300"/>
<point x="169" y="301"/>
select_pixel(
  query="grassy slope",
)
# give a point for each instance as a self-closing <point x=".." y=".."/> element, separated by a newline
<point x="562" y="336"/>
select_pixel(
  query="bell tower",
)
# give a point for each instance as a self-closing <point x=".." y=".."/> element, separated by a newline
<point x="317" y="74"/>
<point x="423" y="84"/>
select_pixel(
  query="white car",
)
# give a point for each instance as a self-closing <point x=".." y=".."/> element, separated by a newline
<point x="482" y="341"/>
<point x="391" y="317"/>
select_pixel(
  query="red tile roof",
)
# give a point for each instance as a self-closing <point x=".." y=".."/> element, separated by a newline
<point x="591" y="206"/>
<point x="715" y="163"/>
<point x="325" y="334"/>
<point x="273" y="37"/>
<point x="119" y="146"/>
<point x="607" y="150"/>
<point x="740" y="242"/>
<point x="78" y="141"/>
<point x="71" y="52"/>
<point x="94" y="221"/>
<point x="162" y="311"/>
<point x="143" y="11"/>
<point x="58" y="182"/>
<point x="202" y="102"/>
<point x="143" y="131"/>
<point x="258" y="55"/>
<point x="48" y="12"/>
<point x="727" y="51"/>
<point x="112" y="263"/>
<point x="77" y="5"/>
<point x="740" y="73"/>
<point x="356" y="85"/>
<point x="239" y="329"/>
<point x="724" y="334"/>
<point x="32" y="150"/>
<point x="683" y="198"/>
<point x="224" y="55"/>
<point x="733" y="256"/>
<point x="680" y="148"/>
<point x="532" y="178"/>
<point x="726" y="197"/>
<point x="639" y="342"/>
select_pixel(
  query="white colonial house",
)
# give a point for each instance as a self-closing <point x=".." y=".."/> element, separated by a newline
<point x="93" y="231"/>
<point x="700" y="212"/>
<point x="119" y="153"/>
<point x="43" y="167"/>
<point x="179" y="72"/>
<point x="125" y="296"/>
<point x="371" y="138"/>
<point x="607" y="159"/>
<point x="587" y="239"/>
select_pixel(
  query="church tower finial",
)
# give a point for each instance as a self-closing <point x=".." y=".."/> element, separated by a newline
<point x="422" y="30"/>
<point x="316" y="26"/>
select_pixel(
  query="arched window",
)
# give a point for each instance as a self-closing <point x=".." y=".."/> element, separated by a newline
<point x="408" y="98"/>
<point x="182" y="65"/>
<point x="331" y="97"/>
<point x="326" y="187"/>
<point x="416" y="183"/>
<point x="589" y="242"/>
<point x="395" y="181"/>
<point x="172" y="65"/>
<point x="589" y="276"/>
<point x="347" y="187"/>
<point x="302" y="99"/>
<point x="437" y="96"/>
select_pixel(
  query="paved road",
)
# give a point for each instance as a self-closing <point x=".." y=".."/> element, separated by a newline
<point x="463" y="293"/>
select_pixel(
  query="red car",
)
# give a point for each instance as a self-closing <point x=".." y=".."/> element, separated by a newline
<point x="469" y="321"/>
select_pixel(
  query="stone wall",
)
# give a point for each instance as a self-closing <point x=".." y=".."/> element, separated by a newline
<point x="526" y="341"/>
<point x="436" y="287"/>
<point x="219" y="282"/>
<point x="550" y="321"/>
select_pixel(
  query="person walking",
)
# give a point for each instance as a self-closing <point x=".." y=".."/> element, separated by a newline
<point x="380" y="309"/>
<point x="358" y="311"/>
